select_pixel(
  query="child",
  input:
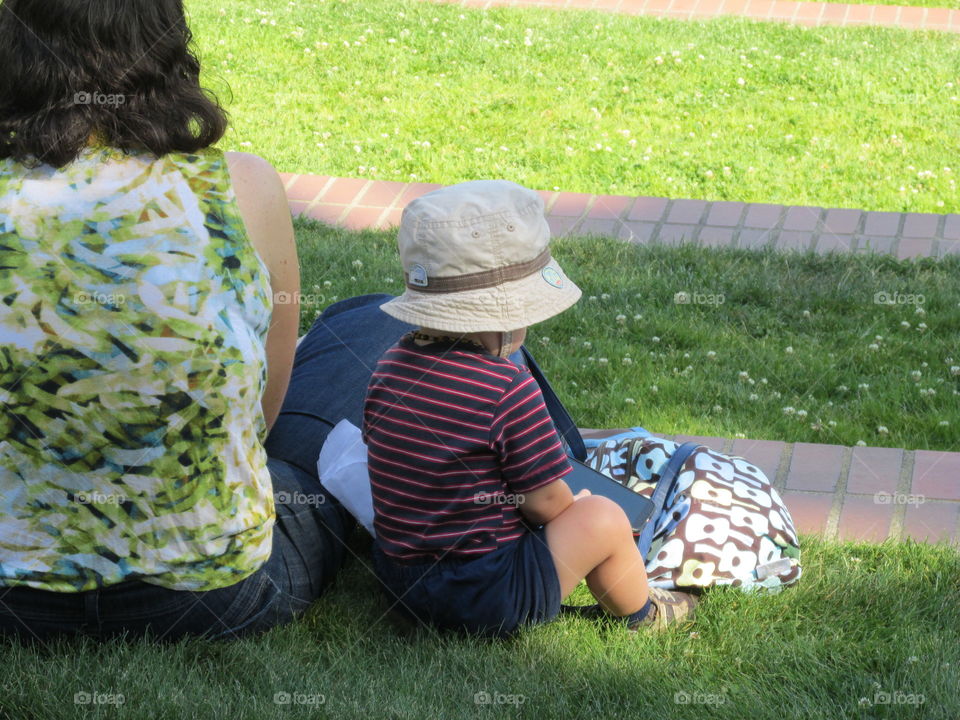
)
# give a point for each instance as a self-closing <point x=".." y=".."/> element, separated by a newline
<point x="476" y="529"/>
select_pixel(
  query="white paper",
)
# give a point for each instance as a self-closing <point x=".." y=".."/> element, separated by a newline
<point x="342" y="466"/>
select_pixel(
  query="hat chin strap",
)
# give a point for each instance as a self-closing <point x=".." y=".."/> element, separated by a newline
<point x="506" y="342"/>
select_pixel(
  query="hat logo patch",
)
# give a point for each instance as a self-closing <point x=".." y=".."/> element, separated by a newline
<point x="552" y="277"/>
<point x="418" y="276"/>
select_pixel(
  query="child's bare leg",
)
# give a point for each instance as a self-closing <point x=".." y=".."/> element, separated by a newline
<point x="592" y="539"/>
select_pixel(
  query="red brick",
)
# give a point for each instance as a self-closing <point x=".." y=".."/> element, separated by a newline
<point x="362" y="218"/>
<point x="882" y="223"/>
<point x="392" y="218"/>
<point x="570" y="204"/>
<point x="951" y="230"/>
<point x="793" y="240"/>
<point x="656" y="6"/>
<point x="948" y="247"/>
<point x="734" y="7"/>
<point x="809" y="511"/>
<point x="759" y="8"/>
<point x="765" y="454"/>
<point x="344" y="191"/>
<point x="288" y="179"/>
<point x="912" y="17"/>
<point x="842" y="221"/>
<point x="415" y="190"/>
<point x="599" y="226"/>
<point x="707" y="9"/>
<point x="809" y="11"/>
<point x="936" y="475"/>
<point x="938" y="18"/>
<point x="802" y="218"/>
<point x="610" y="206"/>
<point x="714" y="443"/>
<point x="636" y="232"/>
<point x="864" y="519"/>
<point x="726" y="214"/>
<point x="955" y="20"/>
<point x="307" y="187"/>
<point x="632" y="7"/>
<point x="716" y="237"/>
<point x="815" y="467"/>
<point x="327" y="213"/>
<point x="548" y="197"/>
<point x="755" y="239"/>
<point x="874" y="469"/>
<point x="297" y="207"/>
<point x="931" y="522"/>
<point x="920" y="226"/>
<point x="763" y="216"/>
<point x="914" y="247"/>
<point x="686" y="212"/>
<point x="876" y="244"/>
<point x="885" y="14"/>
<point x="860" y="14"/>
<point x="834" y="13"/>
<point x="784" y="10"/>
<point x="382" y="194"/>
<point x="560" y="226"/>
<point x="676" y="234"/>
<point x="649" y="209"/>
<point x="685" y="6"/>
<point x="834" y="243"/>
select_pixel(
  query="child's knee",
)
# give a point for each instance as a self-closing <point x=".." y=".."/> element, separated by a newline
<point x="604" y="519"/>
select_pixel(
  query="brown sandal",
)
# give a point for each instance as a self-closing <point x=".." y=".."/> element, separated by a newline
<point x="667" y="607"/>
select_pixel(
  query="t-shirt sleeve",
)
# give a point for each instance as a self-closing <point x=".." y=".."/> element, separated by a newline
<point x="531" y="452"/>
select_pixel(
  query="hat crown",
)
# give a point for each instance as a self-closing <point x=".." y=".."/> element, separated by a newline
<point x="470" y="228"/>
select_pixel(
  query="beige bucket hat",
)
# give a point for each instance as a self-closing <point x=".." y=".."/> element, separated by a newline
<point x="476" y="258"/>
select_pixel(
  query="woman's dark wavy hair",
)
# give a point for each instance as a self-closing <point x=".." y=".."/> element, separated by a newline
<point x="118" y="70"/>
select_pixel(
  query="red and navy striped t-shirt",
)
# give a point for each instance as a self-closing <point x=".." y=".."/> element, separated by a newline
<point x="453" y="435"/>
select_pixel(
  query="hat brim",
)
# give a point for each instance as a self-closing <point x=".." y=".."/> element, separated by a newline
<point x="510" y="306"/>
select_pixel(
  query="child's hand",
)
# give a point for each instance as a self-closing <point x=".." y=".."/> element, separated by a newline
<point x="582" y="494"/>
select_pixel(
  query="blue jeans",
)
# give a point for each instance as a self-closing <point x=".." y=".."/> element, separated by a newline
<point x="330" y="376"/>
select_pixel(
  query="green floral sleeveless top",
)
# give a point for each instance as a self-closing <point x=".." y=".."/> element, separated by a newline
<point x="133" y="319"/>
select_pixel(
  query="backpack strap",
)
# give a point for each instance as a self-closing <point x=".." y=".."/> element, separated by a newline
<point x="561" y="418"/>
<point x="668" y="478"/>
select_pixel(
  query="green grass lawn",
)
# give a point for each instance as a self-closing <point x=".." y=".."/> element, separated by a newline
<point x="865" y="625"/>
<point x="592" y="102"/>
<point x="772" y="345"/>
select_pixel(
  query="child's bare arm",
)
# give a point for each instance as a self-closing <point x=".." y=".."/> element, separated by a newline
<point x="544" y="504"/>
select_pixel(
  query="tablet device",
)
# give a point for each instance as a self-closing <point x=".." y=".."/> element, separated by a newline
<point x="637" y="507"/>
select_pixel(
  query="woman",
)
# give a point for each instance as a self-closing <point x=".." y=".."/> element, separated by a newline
<point x="148" y="345"/>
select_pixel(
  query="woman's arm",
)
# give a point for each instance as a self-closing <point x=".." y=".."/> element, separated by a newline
<point x="266" y="215"/>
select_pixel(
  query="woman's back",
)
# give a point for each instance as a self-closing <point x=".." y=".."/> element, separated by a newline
<point x="133" y="314"/>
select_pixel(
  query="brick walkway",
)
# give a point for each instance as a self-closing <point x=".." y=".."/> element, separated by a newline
<point x="357" y="203"/>
<point x="860" y="493"/>
<point x="800" y="13"/>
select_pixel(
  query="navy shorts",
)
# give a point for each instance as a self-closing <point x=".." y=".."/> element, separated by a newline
<point x="492" y="595"/>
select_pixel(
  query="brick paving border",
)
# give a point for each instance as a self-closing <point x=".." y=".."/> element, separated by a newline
<point x="861" y="493"/>
<point x="812" y="14"/>
<point x="357" y="203"/>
